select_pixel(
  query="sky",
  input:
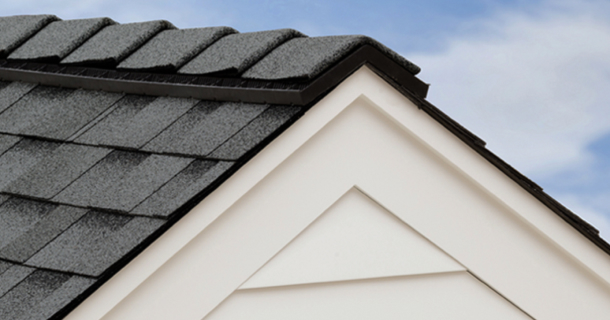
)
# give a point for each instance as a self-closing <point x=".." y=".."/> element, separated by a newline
<point x="531" y="78"/>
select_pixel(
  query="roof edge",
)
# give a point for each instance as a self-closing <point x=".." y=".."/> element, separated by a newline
<point x="212" y="88"/>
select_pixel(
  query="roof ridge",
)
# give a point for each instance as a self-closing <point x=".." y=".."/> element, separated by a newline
<point x="119" y="46"/>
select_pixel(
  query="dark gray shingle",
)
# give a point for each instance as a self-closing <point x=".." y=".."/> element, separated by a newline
<point x="21" y="158"/>
<point x="58" y="39"/>
<point x="13" y="92"/>
<point x="122" y="180"/>
<point x="136" y="120"/>
<point x="205" y="127"/>
<point x="4" y="265"/>
<point x="257" y="130"/>
<point x="40" y="233"/>
<point x="236" y="52"/>
<point x="17" y="29"/>
<point x="63" y="295"/>
<point x="6" y="142"/>
<point x="57" y="170"/>
<point x="40" y="295"/>
<point x="3" y="198"/>
<point x="170" y="49"/>
<point x="55" y="113"/>
<point x="13" y="274"/>
<point x="113" y="43"/>
<point x="308" y="57"/>
<point x="18" y="215"/>
<point x="94" y="243"/>
<point x="184" y="186"/>
<point x="28" y="111"/>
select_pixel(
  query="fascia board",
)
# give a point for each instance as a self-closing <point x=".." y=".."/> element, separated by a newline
<point x="366" y="86"/>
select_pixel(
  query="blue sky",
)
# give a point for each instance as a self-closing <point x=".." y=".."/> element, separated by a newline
<point x="529" y="77"/>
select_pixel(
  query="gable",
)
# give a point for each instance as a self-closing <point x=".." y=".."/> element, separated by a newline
<point x="407" y="164"/>
<point x="355" y="238"/>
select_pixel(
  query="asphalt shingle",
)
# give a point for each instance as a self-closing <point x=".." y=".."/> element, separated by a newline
<point x="54" y="302"/>
<point x="122" y="180"/>
<point x="40" y="233"/>
<point x="94" y="243"/>
<point x="3" y="198"/>
<point x="235" y="53"/>
<point x="40" y="295"/>
<point x="58" y="39"/>
<point x="308" y="57"/>
<point x="255" y="132"/>
<point x="18" y="215"/>
<point x="170" y="49"/>
<point x="28" y="111"/>
<point x="13" y="92"/>
<point x="184" y="186"/>
<point x="6" y="142"/>
<point x="17" y="29"/>
<point x="13" y="274"/>
<point x="4" y="265"/>
<point x="57" y="170"/>
<point x="136" y="120"/>
<point x="21" y="158"/>
<point x="55" y="113"/>
<point x="204" y="128"/>
<point x="113" y="43"/>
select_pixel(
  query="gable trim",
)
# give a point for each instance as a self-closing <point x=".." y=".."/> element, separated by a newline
<point x="363" y="85"/>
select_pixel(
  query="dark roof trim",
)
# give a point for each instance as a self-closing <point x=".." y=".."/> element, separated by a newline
<point x="587" y="230"/>
<point x="211" y="88"/>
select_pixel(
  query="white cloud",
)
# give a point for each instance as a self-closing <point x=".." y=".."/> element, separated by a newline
<point x="534" y="85"/>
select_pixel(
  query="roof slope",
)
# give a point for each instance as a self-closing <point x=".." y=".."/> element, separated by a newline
<point x="88" y="176"/>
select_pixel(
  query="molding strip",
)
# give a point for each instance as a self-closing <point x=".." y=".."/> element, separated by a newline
<point x="289" y="92"/>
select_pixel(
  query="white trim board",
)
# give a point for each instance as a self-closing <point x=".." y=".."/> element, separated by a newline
<point x="363" y="134"/>
<point x="353" y="239"/>
<point x="454" y="295"/>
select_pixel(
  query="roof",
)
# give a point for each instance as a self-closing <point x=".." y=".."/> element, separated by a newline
<point x="110" y="133"/>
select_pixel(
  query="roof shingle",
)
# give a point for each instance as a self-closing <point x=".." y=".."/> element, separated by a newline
<point x="170" y="49"/>
<point x="122" y="180"/>
<point x="17" y="29"/>
<point x="40" y="294"/>
<point x="136" y="120"/>
<point x="56" y="171"/>
<point x="235" y="53"/>
<point x="58" y="39"/>
<point x="308" y="57"/>
<point x="204" y="128"/>
<point x="113" y="43"/>
<point x="180" y="189"/>
<point x="94" y="243"/>
<point x="40" y="232"/>
<point x="13" y="92"/>
<point x="55" y="113"/>
<point x="22" y="157"/>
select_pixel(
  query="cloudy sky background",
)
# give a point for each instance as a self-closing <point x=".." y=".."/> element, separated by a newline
<point x="532" y="78"/>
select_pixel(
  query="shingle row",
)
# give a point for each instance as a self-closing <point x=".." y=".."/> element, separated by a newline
<point x="30" y="294"/>
<point x="179" y="126"/>
<point x="159" y="46"/>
